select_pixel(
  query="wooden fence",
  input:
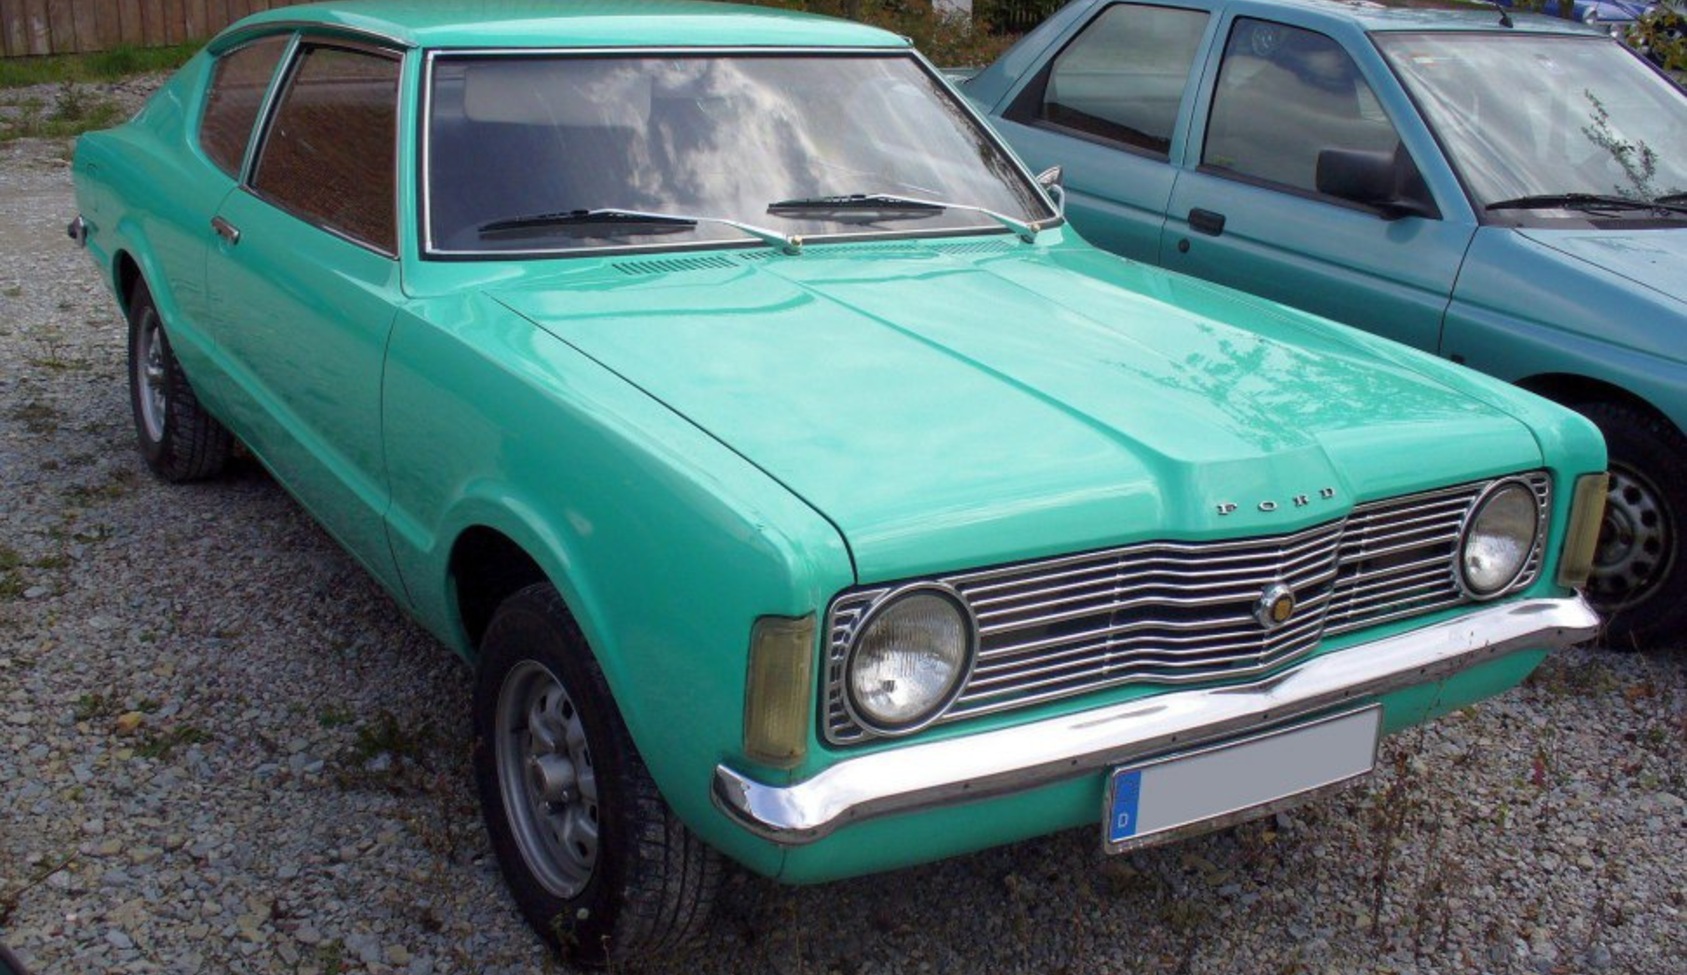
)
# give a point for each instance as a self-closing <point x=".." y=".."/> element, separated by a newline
<point x="37" y="27"/>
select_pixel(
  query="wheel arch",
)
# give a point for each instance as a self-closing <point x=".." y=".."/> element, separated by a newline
<point x="125" y="274"/>
<point x="486" y="567"/>
<point x="1570" y="389"/>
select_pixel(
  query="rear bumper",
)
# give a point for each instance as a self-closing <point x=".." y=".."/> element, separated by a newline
<point x="1007" y="760"/>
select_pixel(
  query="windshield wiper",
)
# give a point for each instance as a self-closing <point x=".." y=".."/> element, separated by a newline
<point x="1671" y="198"/>
<point x="1589" y="202"/>
<point x="594" y="223"/>
<point x="892" y="203"/>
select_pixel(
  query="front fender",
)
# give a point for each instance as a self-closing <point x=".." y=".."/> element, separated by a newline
<point x="665" y="544"/>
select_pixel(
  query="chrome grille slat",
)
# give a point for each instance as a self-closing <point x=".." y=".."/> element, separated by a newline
<point x="1218" y="655"/>
<point x="1194" y="630"/>
<point x="1175" y="612"/>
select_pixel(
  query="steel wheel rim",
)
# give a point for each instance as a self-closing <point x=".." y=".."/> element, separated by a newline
<point x="1636" y="542"/>
<point x="546" y="777"/>
<point x="150" y="377"/>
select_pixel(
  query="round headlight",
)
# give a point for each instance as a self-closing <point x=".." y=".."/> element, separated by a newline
<point x="1498" y="536"/>
<point x="910" y="660"/>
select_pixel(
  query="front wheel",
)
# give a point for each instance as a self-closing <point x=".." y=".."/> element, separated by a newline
<point x="600" y="866"/>
<point x="1639" y="580"/>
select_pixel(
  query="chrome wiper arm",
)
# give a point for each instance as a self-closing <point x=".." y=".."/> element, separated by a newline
<point x="1586" y="201"/>
<point x="650" y="222"/>
<point x="910" y="204"/>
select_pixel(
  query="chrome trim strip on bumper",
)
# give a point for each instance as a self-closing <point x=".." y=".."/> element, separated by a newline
<point x="1009" y="760"/>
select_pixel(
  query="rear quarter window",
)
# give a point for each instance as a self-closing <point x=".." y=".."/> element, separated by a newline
<point x="241" y="78"/>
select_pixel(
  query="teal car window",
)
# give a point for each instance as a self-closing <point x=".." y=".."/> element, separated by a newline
<point x="329" y="155"/>
<point x="1525" y="115"/>
<point x="235" y="97"/>
<point x="1285" y="95"/>
<point x="528" y="141"/>
<point x="1121" y="79"/>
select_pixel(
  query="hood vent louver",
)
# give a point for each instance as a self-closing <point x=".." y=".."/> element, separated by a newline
<point x="668" y="265"/>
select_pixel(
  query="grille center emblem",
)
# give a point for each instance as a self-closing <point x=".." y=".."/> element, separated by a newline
<point x="1275" y="606"/>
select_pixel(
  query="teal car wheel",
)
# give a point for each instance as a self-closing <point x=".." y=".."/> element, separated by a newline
<point x="1637" y="579"/>
<point x="180" y="441"/>
<point x="600" y="866"/>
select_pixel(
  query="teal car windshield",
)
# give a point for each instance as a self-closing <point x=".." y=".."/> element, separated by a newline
<point x="543" y="154"/>
<point x="1530" y="120"/>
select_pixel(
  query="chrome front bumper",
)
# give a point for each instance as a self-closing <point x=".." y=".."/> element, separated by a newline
<point x="1008" y="760"/>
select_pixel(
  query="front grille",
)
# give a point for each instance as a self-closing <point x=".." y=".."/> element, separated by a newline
<point x="1175" y="612"/>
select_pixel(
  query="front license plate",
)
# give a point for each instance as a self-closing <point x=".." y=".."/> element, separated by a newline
<point x="1238" y="779"/>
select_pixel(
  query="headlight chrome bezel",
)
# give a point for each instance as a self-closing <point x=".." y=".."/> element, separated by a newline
<point x="1528" y="546"/>
<point x="958" y="681"/>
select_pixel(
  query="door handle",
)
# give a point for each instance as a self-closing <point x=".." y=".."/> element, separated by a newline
<point x="1206" y="222"/>
<point x="226" y="230"/>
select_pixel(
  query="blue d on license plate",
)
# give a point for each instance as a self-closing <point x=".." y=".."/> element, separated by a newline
<point x="1235" y="780"/>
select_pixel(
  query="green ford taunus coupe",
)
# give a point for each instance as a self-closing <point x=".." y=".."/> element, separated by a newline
<point x="801" y="488"/>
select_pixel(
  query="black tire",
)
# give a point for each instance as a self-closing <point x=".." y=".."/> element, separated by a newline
<point x="180" y="441"/>
<point x="1639" y="578"/>
<point x="600" y="866"/>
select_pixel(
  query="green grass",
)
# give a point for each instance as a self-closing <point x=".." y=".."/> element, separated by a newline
<point x="106" y="66"/>
<point x="74" y="110"/>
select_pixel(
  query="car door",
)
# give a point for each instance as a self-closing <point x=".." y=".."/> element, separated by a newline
<point x="1249" y="211"/>
<point x="304" y="281"/>
<point x="1108" y="108"/>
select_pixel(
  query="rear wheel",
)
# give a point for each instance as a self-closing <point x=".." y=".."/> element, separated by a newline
<point x="180" y="441"/>
<point x="1639" y="580"/>
<point x="600" y="866"/>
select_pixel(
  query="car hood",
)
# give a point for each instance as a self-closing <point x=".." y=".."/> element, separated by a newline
<point x="946" y="408"/>
<point x="1655" y="258"/>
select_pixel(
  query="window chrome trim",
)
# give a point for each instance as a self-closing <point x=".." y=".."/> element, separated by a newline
<point x="424" y="126"/>
<point x="280" y="85"/>
<point x="237" y="36"/>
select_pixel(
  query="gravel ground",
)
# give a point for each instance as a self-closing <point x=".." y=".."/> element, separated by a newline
<point x="224" y="749"/>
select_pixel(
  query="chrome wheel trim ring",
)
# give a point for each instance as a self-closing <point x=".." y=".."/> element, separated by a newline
<point x="151" y="377"/>
<point x="1636" y="542"/>
<point x="546" y="778"/>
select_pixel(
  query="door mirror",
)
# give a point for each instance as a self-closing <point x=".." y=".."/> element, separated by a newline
<point x="1387" y="182"/>
<point x="1051" y="180"/>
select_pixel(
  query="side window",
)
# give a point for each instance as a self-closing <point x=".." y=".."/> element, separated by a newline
<point x="1121" y="79"/>
<point x="331" y="150"/>
<point x="236" y="96"/>
<point x="1284" y="95"/>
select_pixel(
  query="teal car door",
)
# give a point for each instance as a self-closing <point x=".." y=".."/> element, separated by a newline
<point x="1285" y="131"/>
<point x="1107" y="109"/>
<point x="303" y="279"/>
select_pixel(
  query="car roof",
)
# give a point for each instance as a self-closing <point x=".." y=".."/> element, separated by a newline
<point x="1422" y="15"/>
<point x="578" y="24"/>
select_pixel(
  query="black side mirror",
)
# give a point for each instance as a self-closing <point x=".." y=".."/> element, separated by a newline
<point x="1388" y="182"/>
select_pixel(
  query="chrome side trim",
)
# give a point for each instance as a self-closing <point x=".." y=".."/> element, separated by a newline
<point x="942" y="773"/>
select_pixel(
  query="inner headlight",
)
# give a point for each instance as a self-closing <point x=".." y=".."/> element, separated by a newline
<point x="910" y="660"/>
<point x="1498" y="536"/>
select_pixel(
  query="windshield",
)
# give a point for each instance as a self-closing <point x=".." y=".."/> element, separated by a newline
<point x="565" y="153"/>
<point x="1525" y="115"/>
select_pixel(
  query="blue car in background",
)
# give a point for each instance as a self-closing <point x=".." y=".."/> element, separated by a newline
<point x="1509" y="191"/>
<point x="1612" y="16"/>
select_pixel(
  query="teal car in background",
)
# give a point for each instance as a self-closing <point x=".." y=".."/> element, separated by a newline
<point x="1504" y="191"/>
<point x="799" y="487"/>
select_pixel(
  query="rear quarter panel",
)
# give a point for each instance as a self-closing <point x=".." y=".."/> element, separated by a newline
<point x="147" y="192"/>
